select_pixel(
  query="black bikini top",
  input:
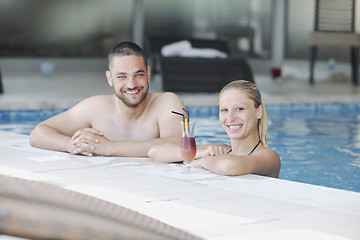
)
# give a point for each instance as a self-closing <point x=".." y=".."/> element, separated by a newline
<point x="251" y="150"/>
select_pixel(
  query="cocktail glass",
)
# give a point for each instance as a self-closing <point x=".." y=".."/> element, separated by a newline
<point x="188" y="144"/>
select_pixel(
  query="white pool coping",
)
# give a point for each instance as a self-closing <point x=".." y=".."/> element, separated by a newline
<point x="203" y="203"/>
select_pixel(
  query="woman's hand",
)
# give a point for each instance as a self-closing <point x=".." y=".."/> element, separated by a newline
<point x="213" y="150"/>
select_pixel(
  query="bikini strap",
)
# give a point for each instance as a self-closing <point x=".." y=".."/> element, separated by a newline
<point x="251" y="150"/>
<point x="255" y="147"/>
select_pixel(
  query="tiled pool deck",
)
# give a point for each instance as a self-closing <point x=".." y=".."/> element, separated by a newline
<point x="202" y="203"/>
<point x="195" y="200"/>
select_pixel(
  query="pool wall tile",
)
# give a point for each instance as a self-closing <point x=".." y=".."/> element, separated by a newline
<point x="203" y="111"/>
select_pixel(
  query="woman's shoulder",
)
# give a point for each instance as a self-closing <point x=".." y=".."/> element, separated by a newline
<point x="271" y="159"/>
<point x="270" y="154"/>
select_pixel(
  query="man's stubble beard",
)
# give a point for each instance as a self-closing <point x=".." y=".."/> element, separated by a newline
<point x="122" y="97"/>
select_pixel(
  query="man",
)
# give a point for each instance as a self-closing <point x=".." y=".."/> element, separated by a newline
<point x="126" y="123"/>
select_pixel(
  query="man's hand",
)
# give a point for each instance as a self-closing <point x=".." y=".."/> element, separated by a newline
<point x="88" y="141"/>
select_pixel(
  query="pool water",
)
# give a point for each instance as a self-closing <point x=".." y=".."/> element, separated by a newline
<point x="23" y="121"/>
<point x="317" y="143"/>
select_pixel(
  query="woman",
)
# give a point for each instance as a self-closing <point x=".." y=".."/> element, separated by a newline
<point x="242" y="114"/>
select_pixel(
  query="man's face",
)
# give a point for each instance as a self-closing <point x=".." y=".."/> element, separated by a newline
<point x="129" y="77"/>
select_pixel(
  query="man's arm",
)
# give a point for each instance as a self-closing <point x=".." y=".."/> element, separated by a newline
<point x="56" y="132"/>
<point x="105" y="147"/>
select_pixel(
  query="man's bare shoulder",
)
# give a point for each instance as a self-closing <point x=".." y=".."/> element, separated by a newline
<point x="166" y="97"/>
<point x="98" y="100"/>
<point x="92" y="105"/>
<point x="101" y="98"/>
<point x="164" y="103"/>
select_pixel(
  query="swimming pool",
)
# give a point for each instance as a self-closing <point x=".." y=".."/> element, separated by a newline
<point x="317" y="143"/>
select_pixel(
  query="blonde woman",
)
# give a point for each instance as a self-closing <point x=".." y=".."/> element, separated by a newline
<point x="242" y="114"/>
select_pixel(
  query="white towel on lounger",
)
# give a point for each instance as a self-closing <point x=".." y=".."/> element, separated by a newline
<point x="175" y="49"/>
<point x="184" y="49"/>
<point x="204" y="53"/>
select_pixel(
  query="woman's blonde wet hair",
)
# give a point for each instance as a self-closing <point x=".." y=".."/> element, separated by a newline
<point x="252" y="91"/>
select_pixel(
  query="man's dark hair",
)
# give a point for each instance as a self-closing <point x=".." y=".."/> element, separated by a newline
<point x="126" y="49"/>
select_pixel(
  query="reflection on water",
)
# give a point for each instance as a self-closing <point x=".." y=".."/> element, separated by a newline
<point x="357" y="132"/>
<point x="325" y="155"/>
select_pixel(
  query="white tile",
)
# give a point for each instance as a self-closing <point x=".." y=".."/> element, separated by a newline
<point x="203" y="203"/>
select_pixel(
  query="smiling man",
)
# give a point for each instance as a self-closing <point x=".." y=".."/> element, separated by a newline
<point x="126" y="123"/>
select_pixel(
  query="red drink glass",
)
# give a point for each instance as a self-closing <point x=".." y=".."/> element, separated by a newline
<point x="188" y="144"/>
<point x="188" y="148"/>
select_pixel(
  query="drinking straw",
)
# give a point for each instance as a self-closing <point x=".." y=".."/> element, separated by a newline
<point x="187" y="120"/>
<point x="179" y="114"/>
<point x="187" y="127"/>
<point x="183" y="119"/>
<point x="187" y="113"/>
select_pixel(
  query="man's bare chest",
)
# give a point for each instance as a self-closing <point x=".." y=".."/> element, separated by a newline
<point x="121" y="130"/>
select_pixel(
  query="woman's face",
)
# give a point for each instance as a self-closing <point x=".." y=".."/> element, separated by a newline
<point x="237" y="114"/>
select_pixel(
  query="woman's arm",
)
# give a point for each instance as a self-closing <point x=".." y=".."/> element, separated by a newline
<point x="170" y="152"/>
<point x="265" y="162"/>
